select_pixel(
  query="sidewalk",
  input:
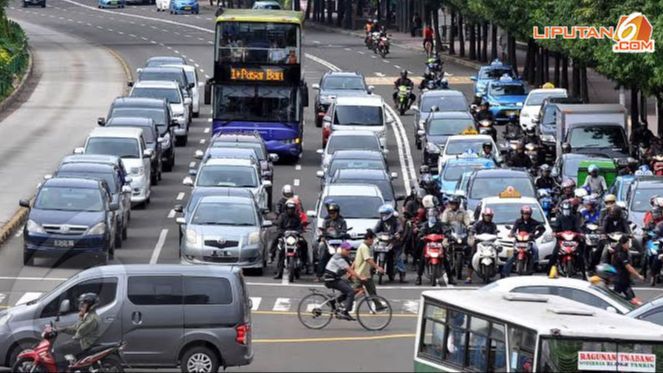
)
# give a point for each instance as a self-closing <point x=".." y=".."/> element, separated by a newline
<point x="601" y="89"/>
<point x="74" y="82"/>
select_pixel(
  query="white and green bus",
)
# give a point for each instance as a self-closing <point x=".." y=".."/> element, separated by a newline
<point x="469" y="330"/>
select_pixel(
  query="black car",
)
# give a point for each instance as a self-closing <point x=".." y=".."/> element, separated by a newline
<point x="379" y="178"/>
<point x="335" y="84"/>
<point x="439" y="126"/>
<point x="70" y="216"/>
<point x="156" y="109"/>
<point x="353" y="159"/>
<point x="41" y="3"/>
<point x="546" y="129"/>
<point x="491" y="182"/>
<point x="151" y="136"/>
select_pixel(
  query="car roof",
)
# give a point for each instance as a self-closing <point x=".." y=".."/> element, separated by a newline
<point x="648" y="181"/>
<point x="246" y="199"/>
<point x="552" y="90"/>
<point x="221" y="191"/>
<point x="157" y="84"/>
<point x="230" y="152"/>
<point x="344" y="73"/>
<point x="441" y="93"/>
<point x="451" y="115"/>
<point x="92" y="158"/>
<point x="357" y="154"/>
<point x="585" y="156"/>
<point x="469" y="161"/>
<point x="162" y="69"/>
<point x="86" y="167"/>
<point x="360" y="173"/>
<point x="352" y="133"/>
<point x="131" y="121"/>
<point x="368" y="100"/>
<point x="470" y="137"/>
<point x="351" y="189"/>
<point x="131" y="132"/>
<point x="141" y="102"/>
<point x="654" y="304"/>
<point x="228" y="162"/>
<point x="564" y="100"/>
<point x="506" y="82"/>
<point x="180" y="66"/>
<point x="165" y="58"/>
<point x="501" y="172"/>
<point x="496" y="200"/>
<point x="72" y="182"/>
<point x="157" y="269"/>
<point x="515" y="281"/>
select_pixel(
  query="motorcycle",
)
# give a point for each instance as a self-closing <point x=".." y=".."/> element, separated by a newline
<point x="592" y="245"/>
<point x="654" y="256"/>
<point x="381" y="249"/>
<point x="610" y="246"/>
<point x="523" y="252"/>
<point x="657" y="164"/>
<point x="568" y="242"/>
<point x="289" y="249"/>
<point x="434" y="254"/>
<point x="375" y="39"/>
<point x="40" y="358"/>
<point x="546" y="201"/>
<point x="512" y="130"/>
<point x="484" y="260"/>
<point x="487" y="127"/>
<point x="435" y="84"/>
<point x="532" y="151"/>
<point x="457" y="242"/>
<point x="383" y="46"/>
<point x="404" y="93"/>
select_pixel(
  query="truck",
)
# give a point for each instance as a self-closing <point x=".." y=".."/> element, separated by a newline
<point x="593" y="129"/>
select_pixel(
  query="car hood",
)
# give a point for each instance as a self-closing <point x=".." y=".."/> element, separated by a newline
<point x="609" y="152"/>
<point x="203" y="188"/>
<point x="177" y="109"/>
<point x="83" y="218"/>
<point x="448" y="187"/>
<point x="359" y="226"/>
<point x="132" y="162"/>
<point x="225" y="232"/>
<point x="378" y="128"/>
<point x="438" y="140"/>
<point x="342" y="93"/>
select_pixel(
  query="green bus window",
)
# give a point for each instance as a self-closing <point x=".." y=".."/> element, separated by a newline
<point x="497" y="357"/>
<point x="522" y="344"/>
<point x="478" y="344"/>
<point x="433" y="340"/>
<point x="456" y="345"/>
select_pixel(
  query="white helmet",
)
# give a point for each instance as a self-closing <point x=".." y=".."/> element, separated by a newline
<point x="428" y="201"/>
<point x="287" y="191"/>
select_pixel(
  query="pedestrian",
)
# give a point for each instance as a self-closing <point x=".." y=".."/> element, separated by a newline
<point x="622" y="262"/>
<point x="415" y="25"/>
<point x="364" y="262"/>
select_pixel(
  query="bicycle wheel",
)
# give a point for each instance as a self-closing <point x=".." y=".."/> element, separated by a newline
<point x="374" y="313"/>
<point x="315" y="311"/>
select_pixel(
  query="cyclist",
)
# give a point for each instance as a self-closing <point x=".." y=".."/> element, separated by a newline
<point x="335" y="278"/>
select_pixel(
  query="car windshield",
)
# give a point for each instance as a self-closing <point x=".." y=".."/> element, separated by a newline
<point x="611" y="137"/>
<point x="494" y="73"/>
<point x="106" y="176"/>
<point x="442" y="127"/>
<point x="248" y="145"/>
<point x="483" y="187"/>
<point x="121" y="147"/>
<point x="454" y="172"/>
<point x="384" y="185"/>
<point x="158" y="116"/>
<point x="164" y="75"/>
<point x="69" y="199"/>
<point x="641" y="196"/>
<point x="358" y="115"/>
<point x="172" y="95"/>
<point x="535" y="99"/>
<point x="156" y="62"/>
<point x="354" y="83"/>
<point x="352" y="143"/>
<point x="444" y="103"/>
<point x="216" y="213"/>
<point x="461" y="146"/>
<point x="228" y="176"/>
<point x="356" y="207"/>
<point x="256" y="103"/>
<point x="507" y="90"/>
<point x="508" y="213"/>
<point x="148" y="133"/>
<point x="345" y="164"/>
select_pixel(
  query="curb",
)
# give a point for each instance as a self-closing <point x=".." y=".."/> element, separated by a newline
<point x="9" y="100"/>
<point x="125" y="67"/>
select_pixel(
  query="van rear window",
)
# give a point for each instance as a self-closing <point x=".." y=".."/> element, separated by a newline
<point x="207" y="290"/>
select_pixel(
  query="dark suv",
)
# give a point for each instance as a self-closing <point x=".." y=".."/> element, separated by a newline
<point x="546" y="129"/>
<point x="335" y="84"/>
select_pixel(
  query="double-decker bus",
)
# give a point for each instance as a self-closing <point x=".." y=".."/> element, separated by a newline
<point x="257" y="84"/>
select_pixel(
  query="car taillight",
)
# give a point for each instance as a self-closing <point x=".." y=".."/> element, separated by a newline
<point x="242" y="333"/>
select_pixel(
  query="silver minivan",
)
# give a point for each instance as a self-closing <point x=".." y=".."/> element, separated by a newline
<point x="168" y="315"/>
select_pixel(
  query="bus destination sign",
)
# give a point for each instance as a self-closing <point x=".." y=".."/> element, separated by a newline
<point x="267" y="74"/>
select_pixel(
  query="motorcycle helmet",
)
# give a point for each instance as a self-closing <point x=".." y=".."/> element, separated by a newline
<point x="455" y="200"/>
<point x="429" y="201"/>
<point x="545" y="169"/>
<point x="580" y="193"/>
<point x="526" y="210"/>
<point x="88" y="299"/>
<point x="566" y="207"/>
<point x="566" y="148"/>
<point x="589" y="201"/>
<point x="404" y="74"/>
<point x="606" y="271"/>
<point x="290" y="205"/>
<point x="488" y="212"/>
<point x="386" y="211"/>
<point x="287" y="191"/>
<point x="488" y="145"/>
<point x="333" y="207"/>
<point x="568" y="184"/>
<point x="593" y="169"/>
<point x="609" y="199"/>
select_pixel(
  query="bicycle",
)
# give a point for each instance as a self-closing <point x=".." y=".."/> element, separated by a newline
<point x="317" y="309"/>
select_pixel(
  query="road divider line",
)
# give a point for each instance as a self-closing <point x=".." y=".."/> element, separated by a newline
<point x="298" y="167"/>
<point x="180" y="196"/>
<point x="206" y="130"/>
<point x="202" y="141"/>
<point x="281" y="304"/>
<point x="171" y="214"/>
<point x="333" y="339"/>
<point x="157" y="248"/>
<point x="192" y="164"/>
<point x="295" y="182"/>
<point x="255" y="303"/>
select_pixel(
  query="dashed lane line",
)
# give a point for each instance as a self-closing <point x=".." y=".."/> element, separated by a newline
<point x="180" y="196"/>
<point x="159" y="246"/>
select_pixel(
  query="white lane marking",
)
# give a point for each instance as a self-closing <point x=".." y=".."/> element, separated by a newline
<point x="255" y="303"/>
<point x="132" y="35"/>
<point x="197" y="66"/>
<point x="210" y="42"/>
<point x="202" y="141"/>
<point x="206" y="130"/>
<point x="295" y="182"/>
<point x="28" y="297"/>
<point x="385" y="61"/>
<point x="207" y="76"/>
<point x="316" y="42"/>
<point x="192" y="164"/>
<point x="180" y="196"/>
<point x="281" y="304"/>
<point x="381" y="75"/>
<point x="19" y="232"/>
<point x="209" y="119"/>
<point x="360" y="52"/>
<point x="411" y="306"/>
<point x="120" y="32"/>
<point x="159" y="246"/>
<point x="348" y="49"/>
<point x="398" y="67"/>
<point x="298" y="167"/>
<point x="171" y="214"/>
<point x="373" y="57"/>
<point x="3" y="297"/>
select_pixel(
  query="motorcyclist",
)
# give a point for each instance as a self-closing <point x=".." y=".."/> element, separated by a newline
<point x="87" y="330"/>
<point x="287" y="192"/>
<point x="609" y="200"/>
<point x="390" y="225"/>
<point x="520" y="159"/>
<point x="486" y="150"/>
<point x="594" y="181"/>
<point x="483" y="226"/>
<point x="590" y="213"/>
<point x="545" y="180"/>
<point x="567" y="191"/>
<point x="455" y="213"/>
<point x="413" y="202"/>
<point x="429" y="185"/>
<point x="335" y="226"/>
<point x="655" y="215"/>
<point x="288" y="221"/>
<point x="527" y="224"/>
<point x="432" y="225"/>
<point x="485" y="113"/>
<point x="404" y="81"/>
<point x="614" y="222"/>
<point x="568" y="220"/>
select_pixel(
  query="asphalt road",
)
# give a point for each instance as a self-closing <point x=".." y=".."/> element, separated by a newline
<point x="281" y="343"/>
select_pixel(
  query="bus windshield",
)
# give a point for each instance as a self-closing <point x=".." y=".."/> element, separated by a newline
<point x="257" y="42"/>
<point x="256" y="103"/>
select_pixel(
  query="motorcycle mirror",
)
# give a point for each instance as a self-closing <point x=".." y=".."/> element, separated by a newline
<point x="508" y="227"/>
<point x="434" y="108"/>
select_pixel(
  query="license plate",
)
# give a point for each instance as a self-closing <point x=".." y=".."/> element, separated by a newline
<point x="63" y="243"/>
<point x="187" y="8"/>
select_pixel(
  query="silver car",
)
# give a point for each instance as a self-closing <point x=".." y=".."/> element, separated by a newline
<point x="224" y="230"/>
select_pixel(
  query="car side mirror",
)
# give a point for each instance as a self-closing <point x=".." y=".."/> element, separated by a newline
<point x="101" y="121"/>
<point x="473" y="78"/>
<point x="310" y="213"/>
<point x="173" y="123"/>
<point x="273" y="157"/>
<point x="320" y="174"/>
<point x="434" y="108"/>
<point x="180" y="221"/>
<point x="370" y="89"/>
<point x="188" y="180"/>
<point x="79" y="150"/>
<point x="315" y="86"/>
<point x="130" y="84"/>
<point x="48" y="177"/>
<point x="385" y="151"/>
<point x="193" y="172"/>
<point x="267" y="223"/>
<point x="320" y="151"/>
<point x="192" y="85"/>
<point x="611" y="309"/>
<point x="65" y="307"/>
<point x="394" y="175"/>
<point x="126" y="189"/>
<point x="139" y="70"/>
<point x="114" y="206"/>
<point x="148" y="153"/>
<point x="414" y="108"/>
<point x="326" y="119"/>
<point x="178" y="208"/>
<point x="198" y="154"/>
<point x="24" y="203"/>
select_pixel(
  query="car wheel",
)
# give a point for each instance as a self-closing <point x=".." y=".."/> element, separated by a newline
<point x="199" y="359"/>
<point x="28" y="259"/>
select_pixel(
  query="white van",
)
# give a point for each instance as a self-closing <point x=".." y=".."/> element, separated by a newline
<point x="127" y="143"/>
<point x="358" y="113"/>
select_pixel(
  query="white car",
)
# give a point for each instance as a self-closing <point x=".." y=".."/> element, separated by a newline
<point x="232" y="173"/>
<point x="359" y="204"/>
<point x="127" y="143"/>
<point x="577" y="290"/>
<point x="507" y="210"/>
<point x="358" y="113"/>
<point x="266" y="4"/>
<point x="192" y="77"/>
<point x="171" y="92"/>
<point x="532" y="105"/>
<point x="162" y="5"/>
<point x="459" y="144"/>
<point x="350" y="140"/>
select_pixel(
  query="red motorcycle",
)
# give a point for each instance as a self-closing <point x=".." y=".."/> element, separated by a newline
<point x="433" y="254"/>
<point x="657" y="165"/>
<point x="523" y="252"/>
<point x="41" y="359"/>
<point x="568" y="242"/>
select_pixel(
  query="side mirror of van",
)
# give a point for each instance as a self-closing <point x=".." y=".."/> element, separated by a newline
<point x="178" y="208"/>
<point x="192" y="85"/>
<point x="370" y="89"/>
<point x="101" y="121"/>
<point x="79" y="150"/>
<point x="130" y="84"/>
<point x="315" y="86"/>
<point x="148" y="153"/>
<point x="173" y="123"/>
<point x="24" y="203"/>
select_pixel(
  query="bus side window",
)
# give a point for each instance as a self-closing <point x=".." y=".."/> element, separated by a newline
<point x="432" y="342"/>
<point x="522" y="343"/>
<point x="478" y="343"/>
<point x="457" y="340"/>
<point x="497" y="357"/>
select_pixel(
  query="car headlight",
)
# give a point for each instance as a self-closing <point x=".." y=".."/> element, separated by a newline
<point x="291" y="240"/>
<point x="548" y="237"/>
<point x="34" y="227"/>
<point x="296" y="140"/>
<point x="137" y="170"/>
<point x="99" y="228"/>
<point x="547" y="138"/>
<point x="519" y="104"/>
<point x="192" y="237"/>
<point x="254" y="238"/>
<point x="432" y="148"/>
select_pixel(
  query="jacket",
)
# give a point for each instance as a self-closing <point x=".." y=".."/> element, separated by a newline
<point x="391" y="226"/>
<point x="520" y="160"/>
<point x="543" y="182"/>
<point x="612" y="225"/>
<point x="339" y="225"/>
<point x="86" y="330"/>
<point x="280" y="206"/>
<point x="482" y="227"/>
<point x="596" y="184"/>
<point x="590" y="217"/>
<point x="567" y="223"/>
<point x="286" y="222"/>
<point x="530" y="226"/>
<point x="460" y="215"/>
<point x="485" y="115"/>
<point x="406" y="82"/>
<point x="425" y="229"/>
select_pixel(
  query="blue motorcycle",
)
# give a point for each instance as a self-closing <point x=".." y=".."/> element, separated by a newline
<point x="654" y="257"/>
<point x="546" y="201"/>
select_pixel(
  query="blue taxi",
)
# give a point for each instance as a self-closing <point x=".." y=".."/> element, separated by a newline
<point x="451" y="174"/>
<point x="102" y="4"/>
<point x="489" y="73"/>
<point x="506" y="97"/>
